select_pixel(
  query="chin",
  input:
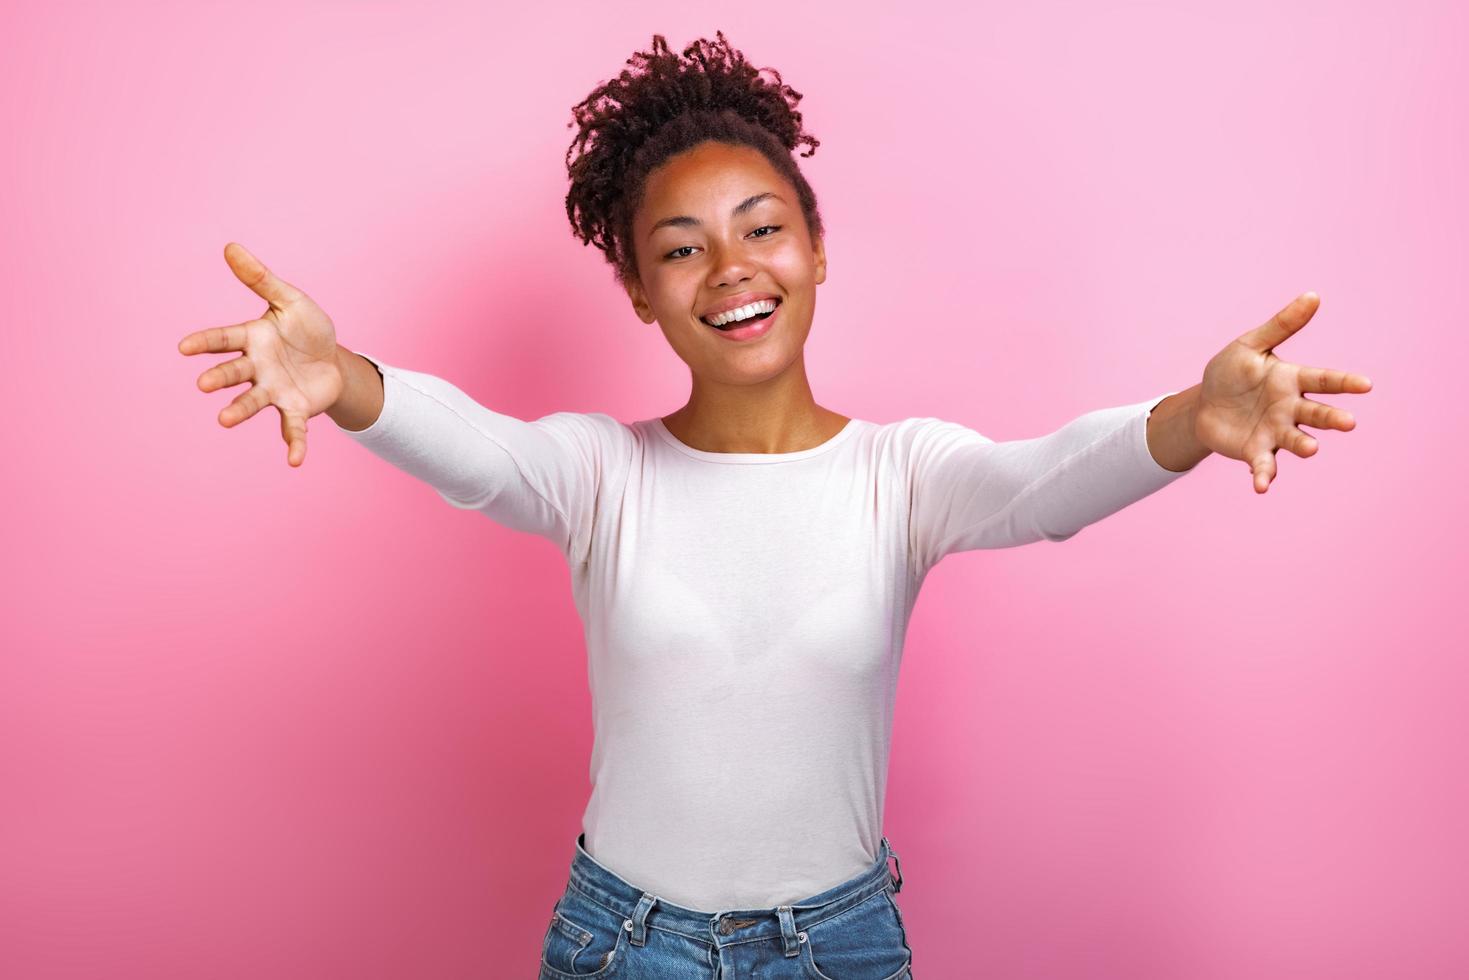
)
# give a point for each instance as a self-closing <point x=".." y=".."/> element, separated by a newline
<point x="749" y="370"/>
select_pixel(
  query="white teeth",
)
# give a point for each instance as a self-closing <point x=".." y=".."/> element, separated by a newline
<point x="744" y="312"/>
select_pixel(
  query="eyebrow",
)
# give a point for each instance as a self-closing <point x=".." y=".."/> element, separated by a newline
<point x="684" y="221"/>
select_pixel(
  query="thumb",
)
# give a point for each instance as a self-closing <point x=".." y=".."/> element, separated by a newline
<point x="253" y="273"/>
<point x="1282" y="325"/>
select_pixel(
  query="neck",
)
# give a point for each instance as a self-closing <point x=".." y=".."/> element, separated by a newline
<point x="775" y="416"/>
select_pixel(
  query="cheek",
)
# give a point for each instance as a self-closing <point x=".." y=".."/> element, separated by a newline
<point x="793" y="267"/>
<point x="672" y="295"/>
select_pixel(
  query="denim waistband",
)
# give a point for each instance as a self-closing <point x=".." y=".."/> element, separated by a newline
<point x="641" y="910"/>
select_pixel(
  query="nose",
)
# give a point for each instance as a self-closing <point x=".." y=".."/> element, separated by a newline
<point x="731" y="265"/>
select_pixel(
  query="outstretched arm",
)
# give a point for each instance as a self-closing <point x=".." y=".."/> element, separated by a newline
<point x="967" y="491"/>
<point x="539" y="476"/>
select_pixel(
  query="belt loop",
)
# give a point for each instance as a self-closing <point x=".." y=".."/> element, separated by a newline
<point x="788" y="932"/>
<point x="637" y="925"/>
<point x="898" y="881"/>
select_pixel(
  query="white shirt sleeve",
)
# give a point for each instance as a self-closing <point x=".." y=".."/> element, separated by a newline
<point x="538" y="476"/>
<point x="969" y="492"/>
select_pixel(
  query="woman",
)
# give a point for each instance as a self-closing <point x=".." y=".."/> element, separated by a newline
<point x="745" y="566"/>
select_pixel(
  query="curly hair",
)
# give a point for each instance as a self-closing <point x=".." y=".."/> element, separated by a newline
<point x="665" y="104"/>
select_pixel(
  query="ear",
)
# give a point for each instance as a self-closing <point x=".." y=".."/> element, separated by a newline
<point x="640" y="305"/>
<point x="818" y="249"/>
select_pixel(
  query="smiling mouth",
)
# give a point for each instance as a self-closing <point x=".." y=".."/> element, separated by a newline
<point x="745" y="322"/>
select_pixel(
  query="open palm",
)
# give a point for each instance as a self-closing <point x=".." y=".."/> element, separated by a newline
<point x="289" y="355"/>
<point x="1251" y="402"/>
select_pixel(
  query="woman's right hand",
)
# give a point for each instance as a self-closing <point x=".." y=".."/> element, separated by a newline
<point x="289" y="355"/>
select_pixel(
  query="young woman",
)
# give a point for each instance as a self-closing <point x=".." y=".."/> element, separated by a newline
<point x="745" y="566"/>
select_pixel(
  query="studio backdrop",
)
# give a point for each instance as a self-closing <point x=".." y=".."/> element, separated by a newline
<point x="259" y="720"/>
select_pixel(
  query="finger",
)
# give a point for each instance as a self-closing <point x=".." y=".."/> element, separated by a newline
<point x="1320" y="415"/>
<point x="1330" y="382"/>
<point x="216" y="340"/>
<point x="1263" y="469"/>
<point x="244" y="406"/>
<point x="1298" y="442"/>
<point x="226" y="374"/>
<point x="253" y="273"/>
<point x="1275" y="330"/>
<point x="293" y="430"/>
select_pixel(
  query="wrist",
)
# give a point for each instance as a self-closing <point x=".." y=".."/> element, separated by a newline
<point x="1172" y="432"/>
<point x="344" y="370"/>
<point x="360" y="401"/>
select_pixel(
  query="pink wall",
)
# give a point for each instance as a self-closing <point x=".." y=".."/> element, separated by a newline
<point x="258" y="721"/>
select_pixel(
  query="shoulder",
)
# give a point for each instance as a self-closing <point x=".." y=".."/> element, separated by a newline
<point x="921" y="436"/>
<point x="595" y="436"/>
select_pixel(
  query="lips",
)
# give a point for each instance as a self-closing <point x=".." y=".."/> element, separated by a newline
<point x="726" y="307"/>
<point x="735" y="302"/>
<point x="749" y="330"/>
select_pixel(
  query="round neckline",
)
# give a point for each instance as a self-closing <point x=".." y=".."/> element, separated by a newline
<point x="711" y="457"/>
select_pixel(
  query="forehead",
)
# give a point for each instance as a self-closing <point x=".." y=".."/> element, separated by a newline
<point x="707" y="178"/>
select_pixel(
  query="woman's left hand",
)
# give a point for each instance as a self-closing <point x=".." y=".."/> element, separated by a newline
<point x="1251" y="401"/>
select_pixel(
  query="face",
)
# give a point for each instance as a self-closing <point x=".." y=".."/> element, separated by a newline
<point x="736" y="228"/>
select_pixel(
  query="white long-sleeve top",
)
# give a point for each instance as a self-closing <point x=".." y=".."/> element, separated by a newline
<point x="745" y="613"/>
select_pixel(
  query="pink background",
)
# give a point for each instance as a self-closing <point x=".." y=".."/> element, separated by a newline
<point x="258" y="721"/>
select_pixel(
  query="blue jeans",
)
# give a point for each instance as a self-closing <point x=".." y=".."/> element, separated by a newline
<point x="603" y="926"/>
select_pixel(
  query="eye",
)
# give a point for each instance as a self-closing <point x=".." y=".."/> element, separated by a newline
<point x="674" y="254"/>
